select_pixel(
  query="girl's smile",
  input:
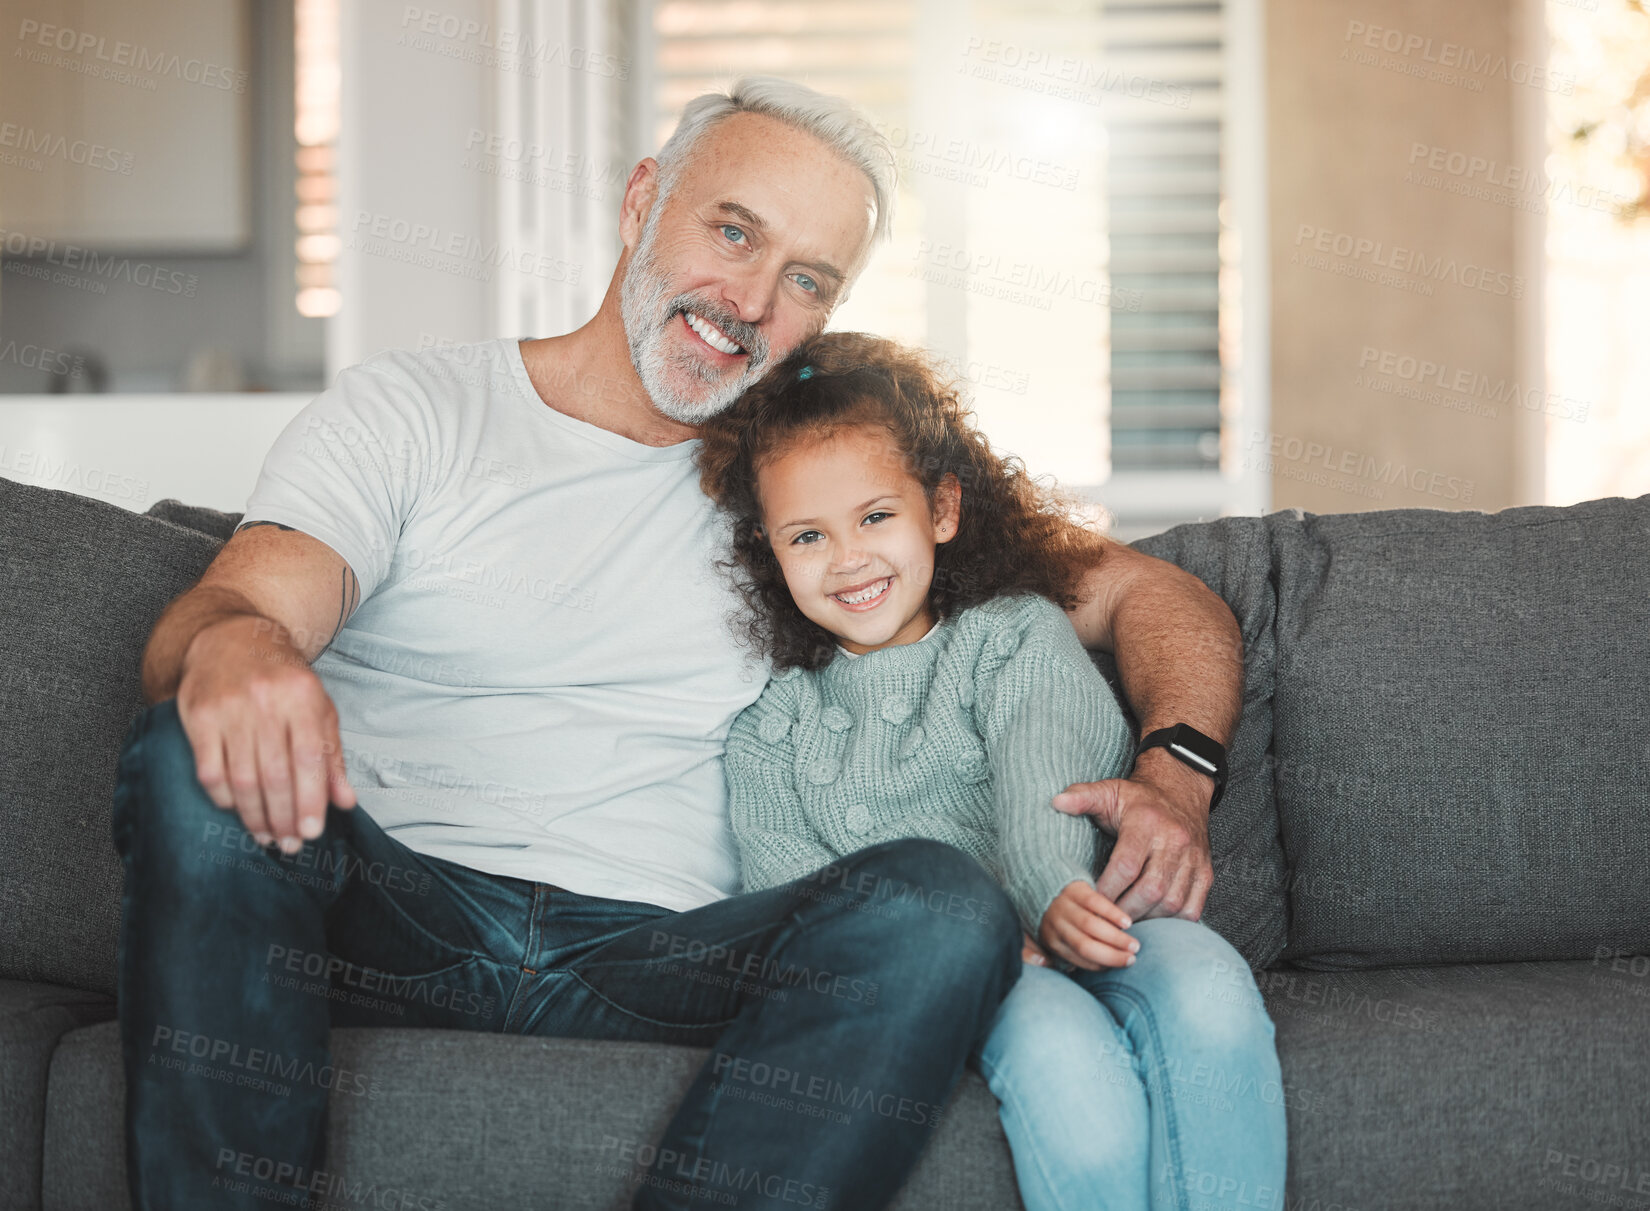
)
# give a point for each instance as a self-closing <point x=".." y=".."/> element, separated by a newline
<point x="866" y="596"/>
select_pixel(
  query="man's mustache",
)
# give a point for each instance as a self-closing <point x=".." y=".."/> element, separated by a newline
<point x="747" y="336"/>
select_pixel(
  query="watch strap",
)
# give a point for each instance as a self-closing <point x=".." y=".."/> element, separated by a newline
<point x="1193" y="749"/>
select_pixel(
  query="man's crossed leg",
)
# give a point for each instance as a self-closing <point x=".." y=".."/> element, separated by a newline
<point x="862" y="987"/>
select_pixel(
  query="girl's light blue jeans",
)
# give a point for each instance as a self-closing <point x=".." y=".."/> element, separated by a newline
<point x="1153" y="1087"/>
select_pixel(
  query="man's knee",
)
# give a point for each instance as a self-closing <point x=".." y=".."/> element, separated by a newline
<point x="160" y="794"/>
<point x="941" y="897"/>
<point x="919" y="860"/>
<point x="939" y="877"/>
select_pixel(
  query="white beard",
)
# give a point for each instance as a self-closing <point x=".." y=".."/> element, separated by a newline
<point x="647" y="308"/>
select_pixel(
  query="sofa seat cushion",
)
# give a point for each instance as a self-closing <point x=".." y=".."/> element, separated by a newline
<point x="33" y="1017"/>
<point x="1417" y="1089"/>
<point x="476" y="1122"/>
<point x="1464" y="1086"/>
<point x="1460" y="734"/>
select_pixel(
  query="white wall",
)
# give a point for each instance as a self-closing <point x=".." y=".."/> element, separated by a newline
<point x="132" y="450"/>
<point x="475" y="166"/>
<point x="416" y="220"/>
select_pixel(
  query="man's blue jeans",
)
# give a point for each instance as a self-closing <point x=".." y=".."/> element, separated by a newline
<point x="879" y="974"/>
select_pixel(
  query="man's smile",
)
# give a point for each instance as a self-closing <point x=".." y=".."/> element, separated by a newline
<point x="711" y="335"/>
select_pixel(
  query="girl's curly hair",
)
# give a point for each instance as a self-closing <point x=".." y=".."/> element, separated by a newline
<point x="1015" y="535"/>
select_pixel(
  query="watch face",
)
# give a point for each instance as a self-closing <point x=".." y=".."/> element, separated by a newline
<point x="1187" y="738"/>
<point x="1196" y="760"/>
<point x="1196" y="751"/>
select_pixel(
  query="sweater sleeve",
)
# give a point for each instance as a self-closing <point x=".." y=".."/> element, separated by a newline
<point x="777" y="842"/>
<point x="1048" y="719"/>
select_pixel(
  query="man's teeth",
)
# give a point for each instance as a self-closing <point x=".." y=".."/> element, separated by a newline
<point x="711" y="335"/>
<point x="864" y="595"/>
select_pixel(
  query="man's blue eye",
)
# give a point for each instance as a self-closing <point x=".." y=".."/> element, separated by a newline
<point x="807" y="283"/>
<point x="734" y="234"/>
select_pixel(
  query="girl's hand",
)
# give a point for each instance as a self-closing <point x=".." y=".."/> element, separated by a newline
<point x="1030" y="952"/>
<point x="1086" y="929"/>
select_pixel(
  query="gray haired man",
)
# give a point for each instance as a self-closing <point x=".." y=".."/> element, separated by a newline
<point x="473" y="596"/>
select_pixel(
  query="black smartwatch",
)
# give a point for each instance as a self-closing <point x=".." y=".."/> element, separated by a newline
<point x="1191" y="747"/>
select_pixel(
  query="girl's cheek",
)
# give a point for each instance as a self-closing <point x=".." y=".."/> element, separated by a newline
<point x="916" y="550"/>
<point x="800" y="574"/>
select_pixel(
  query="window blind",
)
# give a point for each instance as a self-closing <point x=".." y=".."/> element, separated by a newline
<point x="1163" y="181"/>
<point x="1149" y="72"/>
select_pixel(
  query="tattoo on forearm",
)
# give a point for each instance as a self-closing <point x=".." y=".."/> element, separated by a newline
<point x="254" y="524"/>
<point x="349" y="596"/>
<point x="349" y="589"/>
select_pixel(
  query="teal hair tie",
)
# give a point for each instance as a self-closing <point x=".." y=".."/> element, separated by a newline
<point x="805" y="373"/>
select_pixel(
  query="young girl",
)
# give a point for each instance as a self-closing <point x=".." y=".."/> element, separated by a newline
<point x="907" y="585"/>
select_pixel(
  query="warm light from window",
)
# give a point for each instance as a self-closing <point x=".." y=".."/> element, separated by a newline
<point x="1597" y="203"/>
<point x="316" y="127"/>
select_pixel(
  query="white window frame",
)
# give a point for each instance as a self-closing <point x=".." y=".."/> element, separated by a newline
<point x="562" y="110"/>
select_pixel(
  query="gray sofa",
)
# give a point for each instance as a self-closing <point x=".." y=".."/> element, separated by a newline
<point x="1435" y="853"/>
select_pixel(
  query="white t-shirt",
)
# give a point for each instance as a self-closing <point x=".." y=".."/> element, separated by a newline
<point x="541" y="674"/>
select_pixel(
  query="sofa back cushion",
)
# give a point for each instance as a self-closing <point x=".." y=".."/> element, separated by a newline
<point x="81" y="584"/>
<point x="1247" y="904"/>
<point x="196" y="517"/>
<point x="1462" y="733"/>
<point x="1444" y="753"/>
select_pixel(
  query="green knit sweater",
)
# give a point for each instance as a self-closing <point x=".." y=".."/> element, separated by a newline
<point x="962" y="737"/>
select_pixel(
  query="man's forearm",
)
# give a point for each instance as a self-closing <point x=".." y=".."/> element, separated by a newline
<point x="1180" y="658"/>
<point x="186" y="617"/>
<point x="1178" y="648"/>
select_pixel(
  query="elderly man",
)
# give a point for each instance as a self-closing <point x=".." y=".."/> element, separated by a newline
<point x="473" y="594"/>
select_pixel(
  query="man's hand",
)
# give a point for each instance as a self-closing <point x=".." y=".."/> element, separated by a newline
<point x="1085" y="928"/>
<point x="264" y="731"/>
<point x="1160" y="866"/>
<point x="236" y="650"/>
<point x="1180" y="658"/>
